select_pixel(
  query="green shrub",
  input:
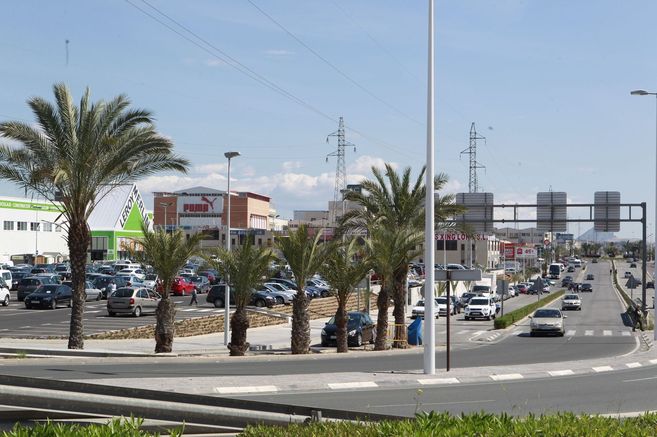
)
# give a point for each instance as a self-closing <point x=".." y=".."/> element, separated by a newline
<point x="474" y="424"/>
<point x="518" y="314"/>
<point x="122" y="427"/>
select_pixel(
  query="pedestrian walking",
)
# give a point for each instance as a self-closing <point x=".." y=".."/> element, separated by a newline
<point x="111" y="288"/>
<point x="638" y="318"/>
<point x="194" y="298"/>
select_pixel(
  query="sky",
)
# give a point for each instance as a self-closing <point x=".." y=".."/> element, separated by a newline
<point x="547" y="83"/>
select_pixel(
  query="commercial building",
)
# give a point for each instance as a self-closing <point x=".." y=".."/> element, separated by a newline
<point x="476" y="250"/>
<point x="203" y="209"/>
<point x="34" y="230"/>
<point x="526" y="236"/>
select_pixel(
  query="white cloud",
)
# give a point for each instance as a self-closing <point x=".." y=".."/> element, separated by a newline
<point x="248" y="171"/>
<point x="291" y="165"/>
<point x="214" y="62"/>
<point x="216" y="167"/>
<point x="278" y="52"/>
<point x="364" y="164"/>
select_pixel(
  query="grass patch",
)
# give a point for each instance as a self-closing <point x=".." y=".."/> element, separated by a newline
<point x="474" y="424"/>
<point x="520" y="313"/>
<point x="123" y="427"/>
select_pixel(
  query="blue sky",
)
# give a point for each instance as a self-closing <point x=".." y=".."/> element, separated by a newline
<point x="547" y="83"/>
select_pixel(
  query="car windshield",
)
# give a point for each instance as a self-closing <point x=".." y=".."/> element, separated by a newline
<point x="571" y="297"/>
<point x="151" y="277"/>
<point x="586" y="285"/>
<point x="46" y="289"/>
<point x="441" y="300"/>
<point x="123" y="292"/>
<point x="475" y="301"/>
<point x="548" y="314"/>
<point x="420" y="303"/>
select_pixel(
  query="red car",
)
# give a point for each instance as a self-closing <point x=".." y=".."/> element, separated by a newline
<point x="181" y="287"/>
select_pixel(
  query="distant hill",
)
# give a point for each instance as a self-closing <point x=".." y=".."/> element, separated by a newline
<point x="599" y="237"/>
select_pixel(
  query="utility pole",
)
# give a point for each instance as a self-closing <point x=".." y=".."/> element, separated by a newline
<point x="340" y="170"/>
<point x="473" y="185"/>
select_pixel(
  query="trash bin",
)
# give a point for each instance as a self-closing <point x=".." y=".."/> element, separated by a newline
<point x="415" y="332"/>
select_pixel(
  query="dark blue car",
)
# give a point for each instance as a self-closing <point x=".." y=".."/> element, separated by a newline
<point x="360" y="329"/>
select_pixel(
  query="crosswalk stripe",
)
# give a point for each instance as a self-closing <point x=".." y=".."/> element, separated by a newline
<point x="206" y="310"/>
<point x="588" y="332"/>
<point x="188" y="309"/>
<point x="606" y="332"/>
<point x="570" y="332"/>
<point x="462" y="332"/>
<point x="626" y="333"/>
<point x="517" y="332"/>
<point x="633" y="365"/>
<point x="92" y="312"/>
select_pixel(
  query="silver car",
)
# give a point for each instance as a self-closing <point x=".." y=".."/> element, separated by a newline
<point x="571" y="302"/>
<point x="135" y="301"/>
<point x="547" y="321"/>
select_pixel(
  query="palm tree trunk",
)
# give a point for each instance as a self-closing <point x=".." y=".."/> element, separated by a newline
<point x="239" y="323"/>
<point x="382" y="319"/>
<point x="165" y="326"/>
<point x="78" y="243"/>
<point x="341" y="326"/>
<point x="300" y="342"/>
<point x="399" y="298"/>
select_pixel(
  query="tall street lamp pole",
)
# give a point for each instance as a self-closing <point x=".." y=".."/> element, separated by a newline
<point x="646" y="93"/>
<point x="229" y="155"/>
<point x="165" y="205"/>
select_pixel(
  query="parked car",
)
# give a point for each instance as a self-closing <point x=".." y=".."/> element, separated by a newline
<point x="49" y="296"/>
<point x="594" y="260"/>
<point x="571" y="302"/>
<point x="92" y="292"/>
<point x="30" y="283"/>
<point x="135" y="301"/>
<point x="454" y="306"/>
<point x="281" y="297"/>
<point x="650" y="284"/>
<point x="212" y="277"/>
<point x="586" y="287"/>
<point x="201" y="283"/>
<point x="102" y="282"/>
<point x="150" y="280"/>
<point x="287" y="282"/>
<point x="418" y="310"/>
<point x="180" y="287"/>
<point x="6" y="277"/>
<point x="4" y="295"/>
<point x="217" y="297"/>
<point x="360" y="329"/>
<point x="590" y="277"/>
<point x="16" y="278"/>
<point x="546" y="321"/>
<point x="324" y="290"/>
<point x="633" y="265"/>
<point x="465" y="298"/>
<point x="63" y="270"/>
<point x="480" y="307"/>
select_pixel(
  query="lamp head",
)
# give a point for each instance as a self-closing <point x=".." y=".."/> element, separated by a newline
<point x="230" y="155"/>
<point x="639" y="93"/>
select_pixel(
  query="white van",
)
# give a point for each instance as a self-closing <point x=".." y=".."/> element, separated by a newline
<point x="5" y="275"/>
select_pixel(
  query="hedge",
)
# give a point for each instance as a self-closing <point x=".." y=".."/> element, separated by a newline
<point x="520" y="313"/>
<point x="474" y="424"/>
<point x="123" y="427"/>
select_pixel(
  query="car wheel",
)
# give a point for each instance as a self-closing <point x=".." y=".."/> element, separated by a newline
<point x="579" y="309"/>
<point x="218" y="303"/>
<point x="260" y="303"/>
<point x="487" y="317"/>
<point x="532" y="334"/>
<point x="493" y="316"/>
<point x="28" y="306"/>
<point x="53" y="304"/>
<point x="279" y="300"/>
<point x="466" y="318"/>
<point x="561" y="334"/>
<point x="359" y="340"/>
<point x="325" y="344"/>
<point x="98" y="296"/>
<point x="324" y="294"/>
<point x="69" y="304"/>
<point x="137" y="312"/>
<point x="6" y="301"/>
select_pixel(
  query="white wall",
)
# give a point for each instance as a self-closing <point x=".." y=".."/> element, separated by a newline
<point x="15" y="242"/>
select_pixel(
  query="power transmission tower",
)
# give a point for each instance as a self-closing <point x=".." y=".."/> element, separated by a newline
<point x="473" y="185"/>
<point x="341" y="168"/>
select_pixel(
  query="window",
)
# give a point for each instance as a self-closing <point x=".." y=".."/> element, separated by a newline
<point x="22" y="226"/>
<point x="451" y="245"/>
<point x="47" y="227"/>
<point x="9" y="226"/>
<point x="58" y="228"/>
<point x="35" y="226"/>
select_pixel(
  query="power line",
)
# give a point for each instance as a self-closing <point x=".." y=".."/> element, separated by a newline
<point x="334" y="67"/>
<point x="234" y="63"/>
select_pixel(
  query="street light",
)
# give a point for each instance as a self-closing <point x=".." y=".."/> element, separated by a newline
<point x="646" y="93"/>
<point x="229" y="156"/>
<point x="165" y="205"/>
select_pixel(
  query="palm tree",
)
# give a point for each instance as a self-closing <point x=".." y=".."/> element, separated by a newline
<point x="76" y="155"/>
<point x="246" y="267"/>
<point x="343" y="269"/>
<point x="392" y="201"/>
<point x="305" y="256"/>
<point x="167" y="253"/>
<point x="388" y="251"/>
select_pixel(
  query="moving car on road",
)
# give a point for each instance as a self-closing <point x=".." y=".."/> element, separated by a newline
<point x="586" y="287"/>
<point x="360" y="328"/>
<point x="135" y="301"/>
<point x="547" y="321"/>
<point x="49" y="296"/>
<point x="571" y="302"/>
<point x="480" y="307"/>
<point x="590" y="277"/>
<point x="418" y="309"/>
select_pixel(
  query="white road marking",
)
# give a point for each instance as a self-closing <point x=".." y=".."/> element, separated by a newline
<point x="462" y="332"/>
<point x="626" y="333"/>
<point x="431" y="381"/>
<point x="188" y="309"/>
<point x="506" y="377"/>
<point x="570" y="332"/>
<point x="92" y="312"/>
<point x="478" y="333"/>
<point x="435" y="403"/>
<point x="517" y="332"/>
<point x="206" y="310"/>
<point x="633" y="365"/>
<point x="561" y="372"/>
<point x="588" y="332"/>
<point x="341" y="385"/>
<point x="247" y="389"/>
<point x="606" y="332"/>
<point x="603" y="369"/>
<point x="653" y="361"/>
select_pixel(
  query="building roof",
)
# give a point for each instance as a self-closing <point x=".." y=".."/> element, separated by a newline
<point x="120" y="209"/>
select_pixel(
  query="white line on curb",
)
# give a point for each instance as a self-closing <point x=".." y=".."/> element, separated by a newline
<point x="588" y="332"/>
<point x="653" y="361"/>
<point x="561" y="372"/>
<point x="340" y="385"/>
<point x="438" y="381"/>
<point x="506" y="377"/>
<point x="603" y="369"/>
<point x="606" y="332"/>
<point x="251" y="389"/>
<point x="633" y="365"/>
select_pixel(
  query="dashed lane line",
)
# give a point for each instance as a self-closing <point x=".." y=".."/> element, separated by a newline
<point x="602" y="369"/>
